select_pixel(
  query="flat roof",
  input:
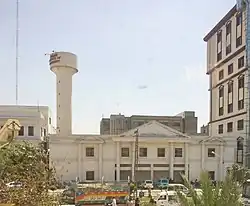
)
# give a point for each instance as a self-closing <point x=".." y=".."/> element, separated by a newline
<point x="220" y="23"/>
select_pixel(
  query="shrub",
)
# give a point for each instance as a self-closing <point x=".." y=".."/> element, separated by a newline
<point x="223" y="194"/>
<point x="26" y="164"/>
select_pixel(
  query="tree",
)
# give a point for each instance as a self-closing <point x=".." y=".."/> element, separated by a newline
<point x="240" y="174"/>
<point x="223" y="194"/>
<point x="26" y="164"/>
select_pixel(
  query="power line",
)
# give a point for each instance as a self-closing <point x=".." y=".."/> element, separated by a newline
<point x="17" y="47"/>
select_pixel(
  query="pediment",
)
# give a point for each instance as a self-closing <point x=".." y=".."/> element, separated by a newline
<point x="155" y="129"/>
<point x="213" y="139"/>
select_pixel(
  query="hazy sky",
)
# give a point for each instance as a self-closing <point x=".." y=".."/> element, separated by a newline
<point x="121" y="45"/>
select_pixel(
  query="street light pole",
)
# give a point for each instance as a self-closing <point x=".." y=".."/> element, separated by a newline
<point x="136" y="158"/>
<point x="220" y="170"/>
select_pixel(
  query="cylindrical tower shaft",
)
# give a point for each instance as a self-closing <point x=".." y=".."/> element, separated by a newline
<point x="64" y="65"/>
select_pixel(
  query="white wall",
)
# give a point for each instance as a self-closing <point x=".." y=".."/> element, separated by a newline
<point x="103" y="163"/>
<point x="38" y="117"/>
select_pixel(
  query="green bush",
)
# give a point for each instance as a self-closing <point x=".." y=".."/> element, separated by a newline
<point x="223" y="194"/>
<point x="26" y="164"/>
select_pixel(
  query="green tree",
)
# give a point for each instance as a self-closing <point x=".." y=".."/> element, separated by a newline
<point x="223" y="194"/>
<point x="26" y="164"/>
<point x="239" y="173"/>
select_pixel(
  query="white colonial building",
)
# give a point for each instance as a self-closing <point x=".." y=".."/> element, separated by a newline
<point x="36" y="121"/>
<point x="163" y="152"/>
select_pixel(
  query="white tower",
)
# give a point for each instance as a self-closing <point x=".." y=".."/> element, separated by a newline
<point x="64" y="65"/>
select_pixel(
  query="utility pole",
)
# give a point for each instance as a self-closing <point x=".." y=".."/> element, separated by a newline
<point x="136" y="133"/>
<point x="46" y="151"/>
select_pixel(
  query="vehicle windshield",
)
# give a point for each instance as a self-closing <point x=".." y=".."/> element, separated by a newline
<point x="164" y="181"/>
<point x="148" y="182"/>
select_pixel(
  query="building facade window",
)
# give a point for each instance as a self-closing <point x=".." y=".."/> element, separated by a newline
<point x="240" y="125"/>
<point x="90" y="152"/>
<point x="160" y="152"/>
<point x="219" y="46"/>
<point x="211" y="152"/>
<point x="241" y="90"/>
<point x="220" y="129"/>
<point x="240" y="149"/>
<point x="143" y="152"/>
<point x="221" y="100"/>
<point x="30" y="131"/>
<point x="229" y="126"/>
<point x="221" y="74"/>
<point x="178" y="152"/>
<point x="230" y="69"/>
<point x="211" y="175"/>
<point x="21" y="131"/>
<point x="125" y="152"/>
<point x="90" y="175"/>
<point x="230" y="87"/>
<point x="228" y="37"/>
<point x="238" y="30"/>
<point x="241" y="62"/>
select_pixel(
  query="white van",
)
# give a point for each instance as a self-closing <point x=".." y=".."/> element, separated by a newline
<point x="162" y="199"/>
<point x="178" y="187"/>
<point x="166" y="198"/>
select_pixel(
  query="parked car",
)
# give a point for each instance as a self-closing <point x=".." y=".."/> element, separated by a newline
<point x="162" y="183"/>
<point x="148" y="184"/>
<point x="178" y="187"/>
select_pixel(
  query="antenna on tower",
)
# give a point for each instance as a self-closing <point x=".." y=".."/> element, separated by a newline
<point x="38" y="105"/>
<point x="17" y="47"/>
<point x="49" y="53"/>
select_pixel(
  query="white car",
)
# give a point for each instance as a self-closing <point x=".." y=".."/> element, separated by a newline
<point x="14" y="184"/>
<point x="178" y="187"/>
<point x="148" y="184"/>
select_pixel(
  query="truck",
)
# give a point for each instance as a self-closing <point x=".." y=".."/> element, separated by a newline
<point x="101" y="194"/>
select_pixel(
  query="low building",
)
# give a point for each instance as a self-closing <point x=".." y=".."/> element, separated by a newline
<point x="163" y="152"/>
<point x="36" y="121"/>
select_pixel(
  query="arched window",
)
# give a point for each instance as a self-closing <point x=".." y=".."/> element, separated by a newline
<point x="240" y="148"/>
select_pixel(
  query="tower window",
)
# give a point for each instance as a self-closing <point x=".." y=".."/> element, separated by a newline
<point x="241" y="91"/>
<point x="221" y="100"/>
<point x="219" y="46"/>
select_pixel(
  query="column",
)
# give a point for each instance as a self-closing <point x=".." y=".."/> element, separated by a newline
<point x="152" y="171"/>
<point x="171" y="158"/>
<point x="100" y="167"/>
<point x="202" y="156"/>
<point x="133" y="161"/>
<point x="83" y="168"/>
<point x="118" y="161"/>
<point x="186" y="160"/>
<point x="79" y="158"/>
<point x="221" y="162"/>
